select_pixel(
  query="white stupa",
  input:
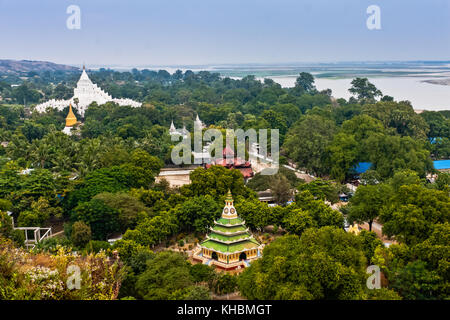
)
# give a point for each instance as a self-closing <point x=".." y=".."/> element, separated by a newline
<point x="198" y="124"/>
<point x="86" y="92"/>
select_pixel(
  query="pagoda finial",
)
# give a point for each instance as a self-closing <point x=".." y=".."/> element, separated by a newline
<point x="172" y="127"/>
<point x="84" y="67"/>
<point x="229" y="195"/>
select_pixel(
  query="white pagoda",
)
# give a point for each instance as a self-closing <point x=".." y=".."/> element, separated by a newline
<point x="84" y="94"/>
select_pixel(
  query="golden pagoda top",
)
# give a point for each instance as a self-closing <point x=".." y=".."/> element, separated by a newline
<point x="71" y="120"/>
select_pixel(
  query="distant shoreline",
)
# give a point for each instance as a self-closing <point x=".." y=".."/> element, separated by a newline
<point x="443" y="82"/>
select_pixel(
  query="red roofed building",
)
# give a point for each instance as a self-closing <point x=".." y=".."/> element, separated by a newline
<point x="232" y="162"/>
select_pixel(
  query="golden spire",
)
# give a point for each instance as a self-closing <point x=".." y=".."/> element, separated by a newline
<point x="71" y="120"/>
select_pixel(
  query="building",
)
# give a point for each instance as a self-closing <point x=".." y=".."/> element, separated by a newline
<point x="84" y="94"/>
<point x="198" y="124"/>
<point x="229" y="245"/>
<point x="231" y="162"/>
<point x="442" y="165"/>
<point x="177" y="176"/>
<point x="178" y="132"/>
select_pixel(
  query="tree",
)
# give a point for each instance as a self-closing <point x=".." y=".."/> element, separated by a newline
<point x="7" y="229"/>
<point x="325" y="263"/>
<point x="389" y="154"/>
<point x="81" y="234"/>
<point x="307" y="141"/>
<point x="399" y="116"/>
<point x="404" y="177"/>
<point x="255" y="213"/>
<point x="40" y="212"/>
<point x="198" y="213"/>
<point x="415" y="281"/>
<point x="364" y="90"/>
<point x="216" y="181"/>
<point x="322" y="214"/>
<point x="343" y="155"/>
<point x="370" y="243"/>
<point x="438" y="124"/>
<point x="129" y="208"/>
<point x="281" y="189"/>
<point x="418" y="271"/>
<point x="297" y="221"/>
<point x="261" y="182"/>
<point x="320" y="189"/>
<point x="367" y="203"/>
<point x="102" y="219"/>
<point x="201" y="272"/>
<point x="152" y="231"/>
<point x="304" y="83"/>
<point x="166" y="274"/>
<point x="25" y="94"/>
<point x="225" y="283"/>
<point x="413" y="212"/>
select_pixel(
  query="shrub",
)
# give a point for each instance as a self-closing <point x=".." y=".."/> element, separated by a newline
<point x="94" y="246"/>
<point x="81" y="234"/>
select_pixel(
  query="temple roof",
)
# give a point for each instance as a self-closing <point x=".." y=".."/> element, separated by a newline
<point x="227" y="151"/>
<point x="172" y="127"/>
<point x="231" y="248"/>
<point x="71" y="120"/>
<point x="229" y="235"/>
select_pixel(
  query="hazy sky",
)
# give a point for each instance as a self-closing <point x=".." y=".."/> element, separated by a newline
<point x="177" y="32"/>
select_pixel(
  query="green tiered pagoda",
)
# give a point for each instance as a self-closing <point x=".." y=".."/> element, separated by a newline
<point x="230" y="244"/>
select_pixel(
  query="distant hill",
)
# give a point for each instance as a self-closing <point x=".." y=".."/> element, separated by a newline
<point x="21" y="67"/>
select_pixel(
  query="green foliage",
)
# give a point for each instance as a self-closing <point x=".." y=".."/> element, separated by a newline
<point x="321" y="189"/>
<point x="152" y="231"/>
<point x="413" y="211"/>
<point x="399" y="116"/>
<point x="307" y="142"/>
<point x="304" y="83"/>
<point x="320" y="213"/>
<point x="367" y="203"/>
<point x="325" y="263"/>
<point x="102" y="219"/>
<point x="130" y="209"/>
<point x="262" y="182"/>
<point x="297" y="221"/>
<point x="43" y="275"/>
<point x="255" y="213"/>
<point x="225" y="283"/>
<point x="364" y="90"/>
<point x="370" y="243"/>
<point x="216" y="181"/>
<point x="165" y="278"/>
<point x="7" y="231"/>
<point x="201" y="272"/>
<point x="198" y="213"/>
<point x="81" y="234"/>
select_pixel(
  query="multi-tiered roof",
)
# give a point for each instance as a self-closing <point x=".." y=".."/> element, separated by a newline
<point x="229" y="233"/>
